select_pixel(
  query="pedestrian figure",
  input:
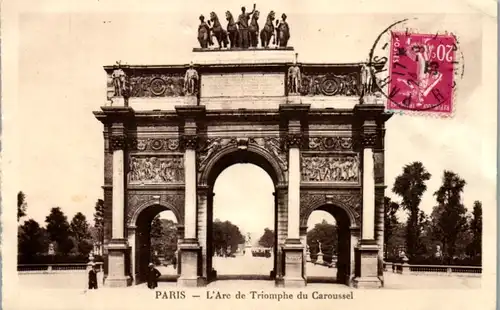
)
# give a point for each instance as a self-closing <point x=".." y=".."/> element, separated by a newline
<point x="174" y="261"/>
<point x="153" y="275"/>
<point x="92" y="277"/>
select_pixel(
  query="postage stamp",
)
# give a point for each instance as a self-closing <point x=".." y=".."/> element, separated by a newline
<point x="418" y="72"/>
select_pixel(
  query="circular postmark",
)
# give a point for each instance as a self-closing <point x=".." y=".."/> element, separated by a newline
<point x="416" y="71"/>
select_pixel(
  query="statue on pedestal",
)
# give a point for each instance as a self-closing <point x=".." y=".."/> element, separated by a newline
<point x="366" y="80"/>
<point x="204" y="37"/>
<point x="191" y="81"/>
<point x="268" y="31"/>
<point x="243" y="26"/>
<point x="119" y="80"/>
<point x="294" y="78"/>
<point x="283" y="32"/>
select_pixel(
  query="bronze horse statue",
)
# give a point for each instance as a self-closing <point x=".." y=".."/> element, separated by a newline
<point x="217" y="31"/>
<point x="254" y="29"/>
<point x="232" y="31"/>
<point x="268" y="31"/>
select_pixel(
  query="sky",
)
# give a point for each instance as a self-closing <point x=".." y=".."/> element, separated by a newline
<point x="59" y="143"/>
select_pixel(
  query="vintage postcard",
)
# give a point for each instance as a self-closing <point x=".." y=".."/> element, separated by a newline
<point x="231" y="154"/>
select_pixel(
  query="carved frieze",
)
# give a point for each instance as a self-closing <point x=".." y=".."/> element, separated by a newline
<point x="154" y="144"/>
<point x="171" y="200"/>
<point x="330" y="143"/>
<point x="271" y="144"/>
<point x="339" y="169"/>
<point x="157" y="85"/>
<point x="156" y="170"/>
<point x="330" y="84"/>
<point x="348" y="200"/>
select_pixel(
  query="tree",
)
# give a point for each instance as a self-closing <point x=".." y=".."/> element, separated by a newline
<point x="226" y="235"/>
<point x="156" y="234"/>
<point x="31" y="239"/>
<point x="79" y="229"/>
<point x="267" y="239"/>
<point x="99" y="220"/>
<point x="21" y="205"/>
<point x="325" y="233"/>
<point x="390" y="222"/>
<point x="170" y="238"/>
<point x="476" y="226"/>
<point x="59" y="230"/>
<point x="410" y="185"/>
<point x="450" y="214"/>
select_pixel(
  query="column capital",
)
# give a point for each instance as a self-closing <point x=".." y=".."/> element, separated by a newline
<point x="294" y="140"/>
<point x="118" y="141"/>
<point x="190" y="142"/>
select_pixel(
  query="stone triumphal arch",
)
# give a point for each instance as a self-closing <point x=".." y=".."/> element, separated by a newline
<point x="314" y="128"/>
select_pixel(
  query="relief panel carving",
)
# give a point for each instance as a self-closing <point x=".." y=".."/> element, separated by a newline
<point x="157" y="85"/>
<point x="342" y="169"/>
<point x="156" y="170"/>
<point x="330" y="84"/>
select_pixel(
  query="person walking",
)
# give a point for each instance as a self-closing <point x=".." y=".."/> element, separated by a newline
<point x="92" y="277"/>
<point x="174" y="260"/>
<point x="153" y="275"/>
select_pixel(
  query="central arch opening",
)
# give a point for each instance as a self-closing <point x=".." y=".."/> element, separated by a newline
<point x="241" y="223"/>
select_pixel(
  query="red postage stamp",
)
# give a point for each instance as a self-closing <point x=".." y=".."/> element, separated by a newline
<point x="421" y="71"/>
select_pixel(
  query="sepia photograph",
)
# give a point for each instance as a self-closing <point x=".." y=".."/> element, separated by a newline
<point x="278" y="152"/>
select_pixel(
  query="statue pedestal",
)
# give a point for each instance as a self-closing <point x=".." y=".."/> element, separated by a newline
<point x="244" y="56"/>
<point x="320" y="260"/>
<point x="294" y="99"/>
<point x="190" y="100"/>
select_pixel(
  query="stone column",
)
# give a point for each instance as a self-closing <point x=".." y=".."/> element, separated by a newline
<point x="118" y="246"/>
<point x="294" y="250"/>
<point x="368" y="214"/>
<point x="190" y="248"/>
<point x="190" y="189"/>
<point x="295" y="115"/>
<point x="294" y="188"/>
<point x="367" y="248"/>
<point x="133" y="249"/>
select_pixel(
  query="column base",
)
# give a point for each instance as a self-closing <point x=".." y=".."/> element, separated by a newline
<point x="369" y="282"/>
<point x="118" y="282"/>
<point x="117" y="271"/>
<point x="190" y="253"/>
<point x="191" y="282"/>
<point x="367" y="256"/>
<point x="294" y="254"/>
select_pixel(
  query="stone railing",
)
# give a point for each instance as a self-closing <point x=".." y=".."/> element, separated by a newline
<point x="55" y="268"/>
<point x="444" y="270"/>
